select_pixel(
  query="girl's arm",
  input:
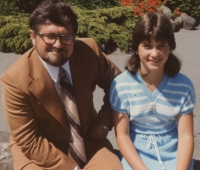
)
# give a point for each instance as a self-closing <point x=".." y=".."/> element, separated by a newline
<point x="121" y="125"/>
<point x="185" y="141"/>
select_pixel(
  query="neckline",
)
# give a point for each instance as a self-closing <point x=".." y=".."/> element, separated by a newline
<point x="152" y="95"/>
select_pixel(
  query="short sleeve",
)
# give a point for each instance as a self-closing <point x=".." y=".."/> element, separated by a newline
<point x="189" y="100"/>
<point x="118" y="98"/>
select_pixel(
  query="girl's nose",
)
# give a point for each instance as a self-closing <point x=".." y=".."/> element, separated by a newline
<point x="154" y="52"/>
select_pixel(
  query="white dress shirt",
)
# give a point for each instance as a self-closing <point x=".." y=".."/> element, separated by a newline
<point x="54" y="71"/>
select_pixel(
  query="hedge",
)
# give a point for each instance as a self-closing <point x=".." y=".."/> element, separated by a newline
<point x="107" y="26"/>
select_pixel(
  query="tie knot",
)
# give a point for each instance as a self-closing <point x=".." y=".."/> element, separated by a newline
<point x="62" y="72"/>
<point x="65" y="80"/>
<point x="63" y="75"/>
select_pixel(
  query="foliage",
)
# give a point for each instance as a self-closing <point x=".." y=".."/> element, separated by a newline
<point x="191" y="7"/>
<point x="14" y="35"/>
<point x="176" y="12"/>
<point x="107" y="26"/>
<point x="8" y="7"/>
<point x="93" y="4"/>
<point x="142" y="6"/>
<point x="126" y="2"/>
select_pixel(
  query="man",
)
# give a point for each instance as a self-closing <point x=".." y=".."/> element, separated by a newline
<point x="37" y="101"/>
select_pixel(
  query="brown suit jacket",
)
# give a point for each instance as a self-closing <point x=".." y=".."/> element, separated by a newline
<point x="35" y="114"/>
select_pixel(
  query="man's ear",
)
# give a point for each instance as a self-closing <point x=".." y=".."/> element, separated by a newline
<point x="33" y="37"/>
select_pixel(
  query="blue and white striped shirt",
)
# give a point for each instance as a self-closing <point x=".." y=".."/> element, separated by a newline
<point x="152" y="112"/>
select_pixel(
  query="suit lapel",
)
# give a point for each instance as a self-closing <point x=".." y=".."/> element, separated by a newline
<point x="81" y="77"/>
<point x="44" y="90"/>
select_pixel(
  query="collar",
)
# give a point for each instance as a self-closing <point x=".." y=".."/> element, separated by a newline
<point x="53" y="71"/>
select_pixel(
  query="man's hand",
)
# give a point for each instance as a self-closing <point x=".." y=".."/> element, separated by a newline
<point x="97" y="133"/>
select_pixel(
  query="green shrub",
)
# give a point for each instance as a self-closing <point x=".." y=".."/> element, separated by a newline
<point x="8" y="7"/>
<point x="14" y="36"/>
<point x="190" y="7"/>
<point x="93" y="4"/>
<point x="111" y="26"/>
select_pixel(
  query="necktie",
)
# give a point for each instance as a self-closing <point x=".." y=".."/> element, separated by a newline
<point x="76" y="144"/>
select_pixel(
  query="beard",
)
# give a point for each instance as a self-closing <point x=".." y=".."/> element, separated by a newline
<point x="55" y="57"/>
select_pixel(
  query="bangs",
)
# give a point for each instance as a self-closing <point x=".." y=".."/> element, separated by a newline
<point x="156" y="25"/>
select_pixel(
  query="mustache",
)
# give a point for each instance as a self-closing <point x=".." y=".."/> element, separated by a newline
<point x="57" y="50"/>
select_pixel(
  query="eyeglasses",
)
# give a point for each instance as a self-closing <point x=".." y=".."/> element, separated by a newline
<point x="51" y="38"/>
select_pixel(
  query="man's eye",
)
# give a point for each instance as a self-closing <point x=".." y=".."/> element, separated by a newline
<point x="50" y="36"/>
<point x="66" y="37"/>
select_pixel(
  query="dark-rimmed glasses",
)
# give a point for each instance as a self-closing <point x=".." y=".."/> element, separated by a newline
<point x="51" y="38"/>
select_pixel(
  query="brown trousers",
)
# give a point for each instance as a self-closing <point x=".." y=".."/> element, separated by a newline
<point x="101" y="156"/>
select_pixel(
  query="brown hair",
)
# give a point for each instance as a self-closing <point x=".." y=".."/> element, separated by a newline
<point x="157" y="25"/>
<point x="55" y="12"/>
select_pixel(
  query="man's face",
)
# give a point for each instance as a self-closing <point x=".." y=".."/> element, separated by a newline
<point x="58" y="52"/>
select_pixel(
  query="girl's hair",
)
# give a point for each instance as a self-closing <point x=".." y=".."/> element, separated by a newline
<point x="157" y="25"/>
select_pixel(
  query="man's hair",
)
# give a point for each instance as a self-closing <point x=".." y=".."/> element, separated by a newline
<point x="157" y="25"/>
<point x="53" y="11"/>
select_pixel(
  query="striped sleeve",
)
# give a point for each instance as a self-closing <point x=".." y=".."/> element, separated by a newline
<point x="184" y="86"/>
<point x="189" y="101"/>
<point x="118" y="98"/>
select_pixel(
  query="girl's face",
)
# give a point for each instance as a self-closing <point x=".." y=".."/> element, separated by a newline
<point x="153" y="55"/>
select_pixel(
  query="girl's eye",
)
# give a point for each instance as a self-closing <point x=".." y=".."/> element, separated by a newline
<point x="146" y="46"/>
<point x="162" y="45"/>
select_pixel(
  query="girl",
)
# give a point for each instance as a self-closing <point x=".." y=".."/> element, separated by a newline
<point x="153" y="103"/>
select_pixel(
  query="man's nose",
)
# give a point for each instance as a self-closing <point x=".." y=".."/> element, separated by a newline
<point x="58" y="43"/>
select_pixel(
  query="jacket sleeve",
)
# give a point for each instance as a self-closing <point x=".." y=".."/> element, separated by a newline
<point x="25" y="132"/>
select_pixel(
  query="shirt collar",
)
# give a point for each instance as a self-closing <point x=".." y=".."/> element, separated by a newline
<point x="53" y="71"/>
